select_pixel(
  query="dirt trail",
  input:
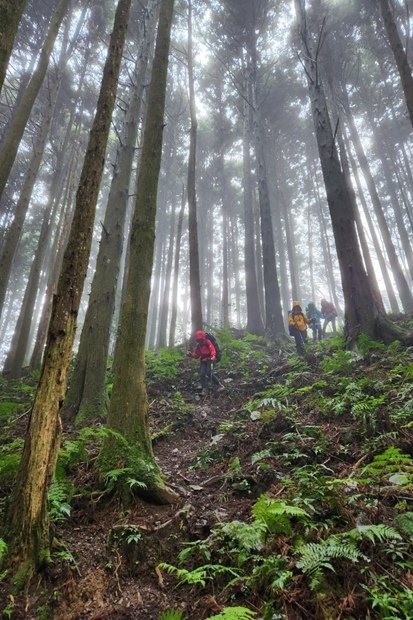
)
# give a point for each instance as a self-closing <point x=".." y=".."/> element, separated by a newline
<point x="120" y="580"/>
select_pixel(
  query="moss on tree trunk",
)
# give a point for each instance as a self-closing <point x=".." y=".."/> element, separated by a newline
<point x="129" y="411"/>
<point x="27" y="517"/>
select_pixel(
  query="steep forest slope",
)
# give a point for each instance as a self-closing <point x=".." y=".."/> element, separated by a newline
<point x="295" y="485"/>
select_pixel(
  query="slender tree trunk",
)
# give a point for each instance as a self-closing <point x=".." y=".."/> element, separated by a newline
<point x="174" y="300"/>
<point x="360" y="230"/>
<point x="129" y="408"/>
<point x="290" y="241"/>
<point x="379" y="254"/>
<point x="20" y="342"/>
<point x="164" y="310"/>
<point x="361" y="310"/>
<point x="254" y="318"/>
<point x="24" y="108"/>
<point x="400" y="55"/>
<point x="194" y="272"/>
<point x="274" y="323"/>
<point x="403" y="288"/>
<point x="28" y="516"/>
<point x="86" y="398"/>
<point x="381" y="151"/>
<point x="10" y="14"/>
<point x="13" y="235"/>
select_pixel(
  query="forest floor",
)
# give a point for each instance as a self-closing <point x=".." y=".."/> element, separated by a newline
<point x="295" y="487"/>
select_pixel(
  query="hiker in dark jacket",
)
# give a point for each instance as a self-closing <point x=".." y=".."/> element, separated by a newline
<point x="205" y="351"/>
<point x="329" y="313"/>
<point x="314" y="317"/>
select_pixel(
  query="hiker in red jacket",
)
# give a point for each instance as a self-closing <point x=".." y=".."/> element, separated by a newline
<point x="329" y="313"/>
<point x="205" y="350"/>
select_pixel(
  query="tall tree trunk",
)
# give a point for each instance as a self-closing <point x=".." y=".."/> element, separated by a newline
<point x="86" y="398"/>
<point x="382" y="152"/>
<point x="129" y="408"/>
<point x="290" y="241"/>
<point x="55" y="264"/>
<point x="24" y="108"/>
<point x="194" y="272"/>
<point x="174" y="299"/>
<point x="14" y="233"/>
<point x="361" y="309"/>
<point x="28" y="515"/>
<point x="10" y="14"/>
<point x="164" y="310"/>
<point x="360" y="230"/>
<point x="20" y="341"/>
<point x="379" y="254"/>
<point x="400" y="55"/>
<point x="254" y="319"/>
<point x="403" y="288"/>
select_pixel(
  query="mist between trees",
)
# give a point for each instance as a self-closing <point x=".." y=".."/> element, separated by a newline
<point x="240" y="163"/>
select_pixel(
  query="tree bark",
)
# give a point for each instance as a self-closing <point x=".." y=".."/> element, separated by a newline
<point x="255" y="324"/>
<point x="86" y="398"/>
<point x="361" y="310"/>
<point x="28" y="516"/>
<point x="24" y="108"/>
<point x="403" y="288"/>
<point x="164" y="309"/>
<point x="174" y="300"/>
<point x="194" y="272"/>
<point x="400" y="55"/>
<point x="129" y="408"/>
<point x="13" y="236"/>
<point x="10" y="14"/>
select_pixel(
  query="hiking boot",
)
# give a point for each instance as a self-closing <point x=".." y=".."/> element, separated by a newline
<point x="203" y="392"/>
<point x="220" y="388"/>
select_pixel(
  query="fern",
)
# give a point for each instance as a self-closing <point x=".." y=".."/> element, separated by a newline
<point x="367" y="345"/>
<point x="198" y="576"/>
<point x="270" y="573"/>
<point x="276" y="514"/>
<point x="3" y="551"/>
<point x="59" y="496"/>
<point x="199" y="546"/>
<point x="340" y="362"/>
<point x="171" y="614"/>
<point x="244" y="538"/>
<point x="261" y="455"/>
<point x="89" y="440"/>
<point x="235" y="613"/>
<point x="404" y="522"/>
<point x="122" y="475"/>
<point x="316" y="557"/>
<point x="374" y="533"/>
<point x="391" y="461"/>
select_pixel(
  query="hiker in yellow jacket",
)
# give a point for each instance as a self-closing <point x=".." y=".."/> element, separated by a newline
<point x="297" y="323"/>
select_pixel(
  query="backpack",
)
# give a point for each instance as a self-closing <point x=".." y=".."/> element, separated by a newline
<point x="218" y="352"/>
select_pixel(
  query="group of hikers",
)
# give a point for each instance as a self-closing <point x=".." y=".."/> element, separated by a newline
<point x="208" y="352"/>
<point x="298" y="321"/>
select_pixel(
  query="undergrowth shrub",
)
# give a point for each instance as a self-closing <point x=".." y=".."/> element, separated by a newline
<point x="10" y="454"/>
<point x="163" y="365"/>
<point x="240" y="354"/>
<point x="391" y="466"/>
<point x="315" y="558"/>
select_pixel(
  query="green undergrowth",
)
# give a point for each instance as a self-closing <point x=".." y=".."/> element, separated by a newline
<point x="330" y="444"/>
<point x="316" y="455"/>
